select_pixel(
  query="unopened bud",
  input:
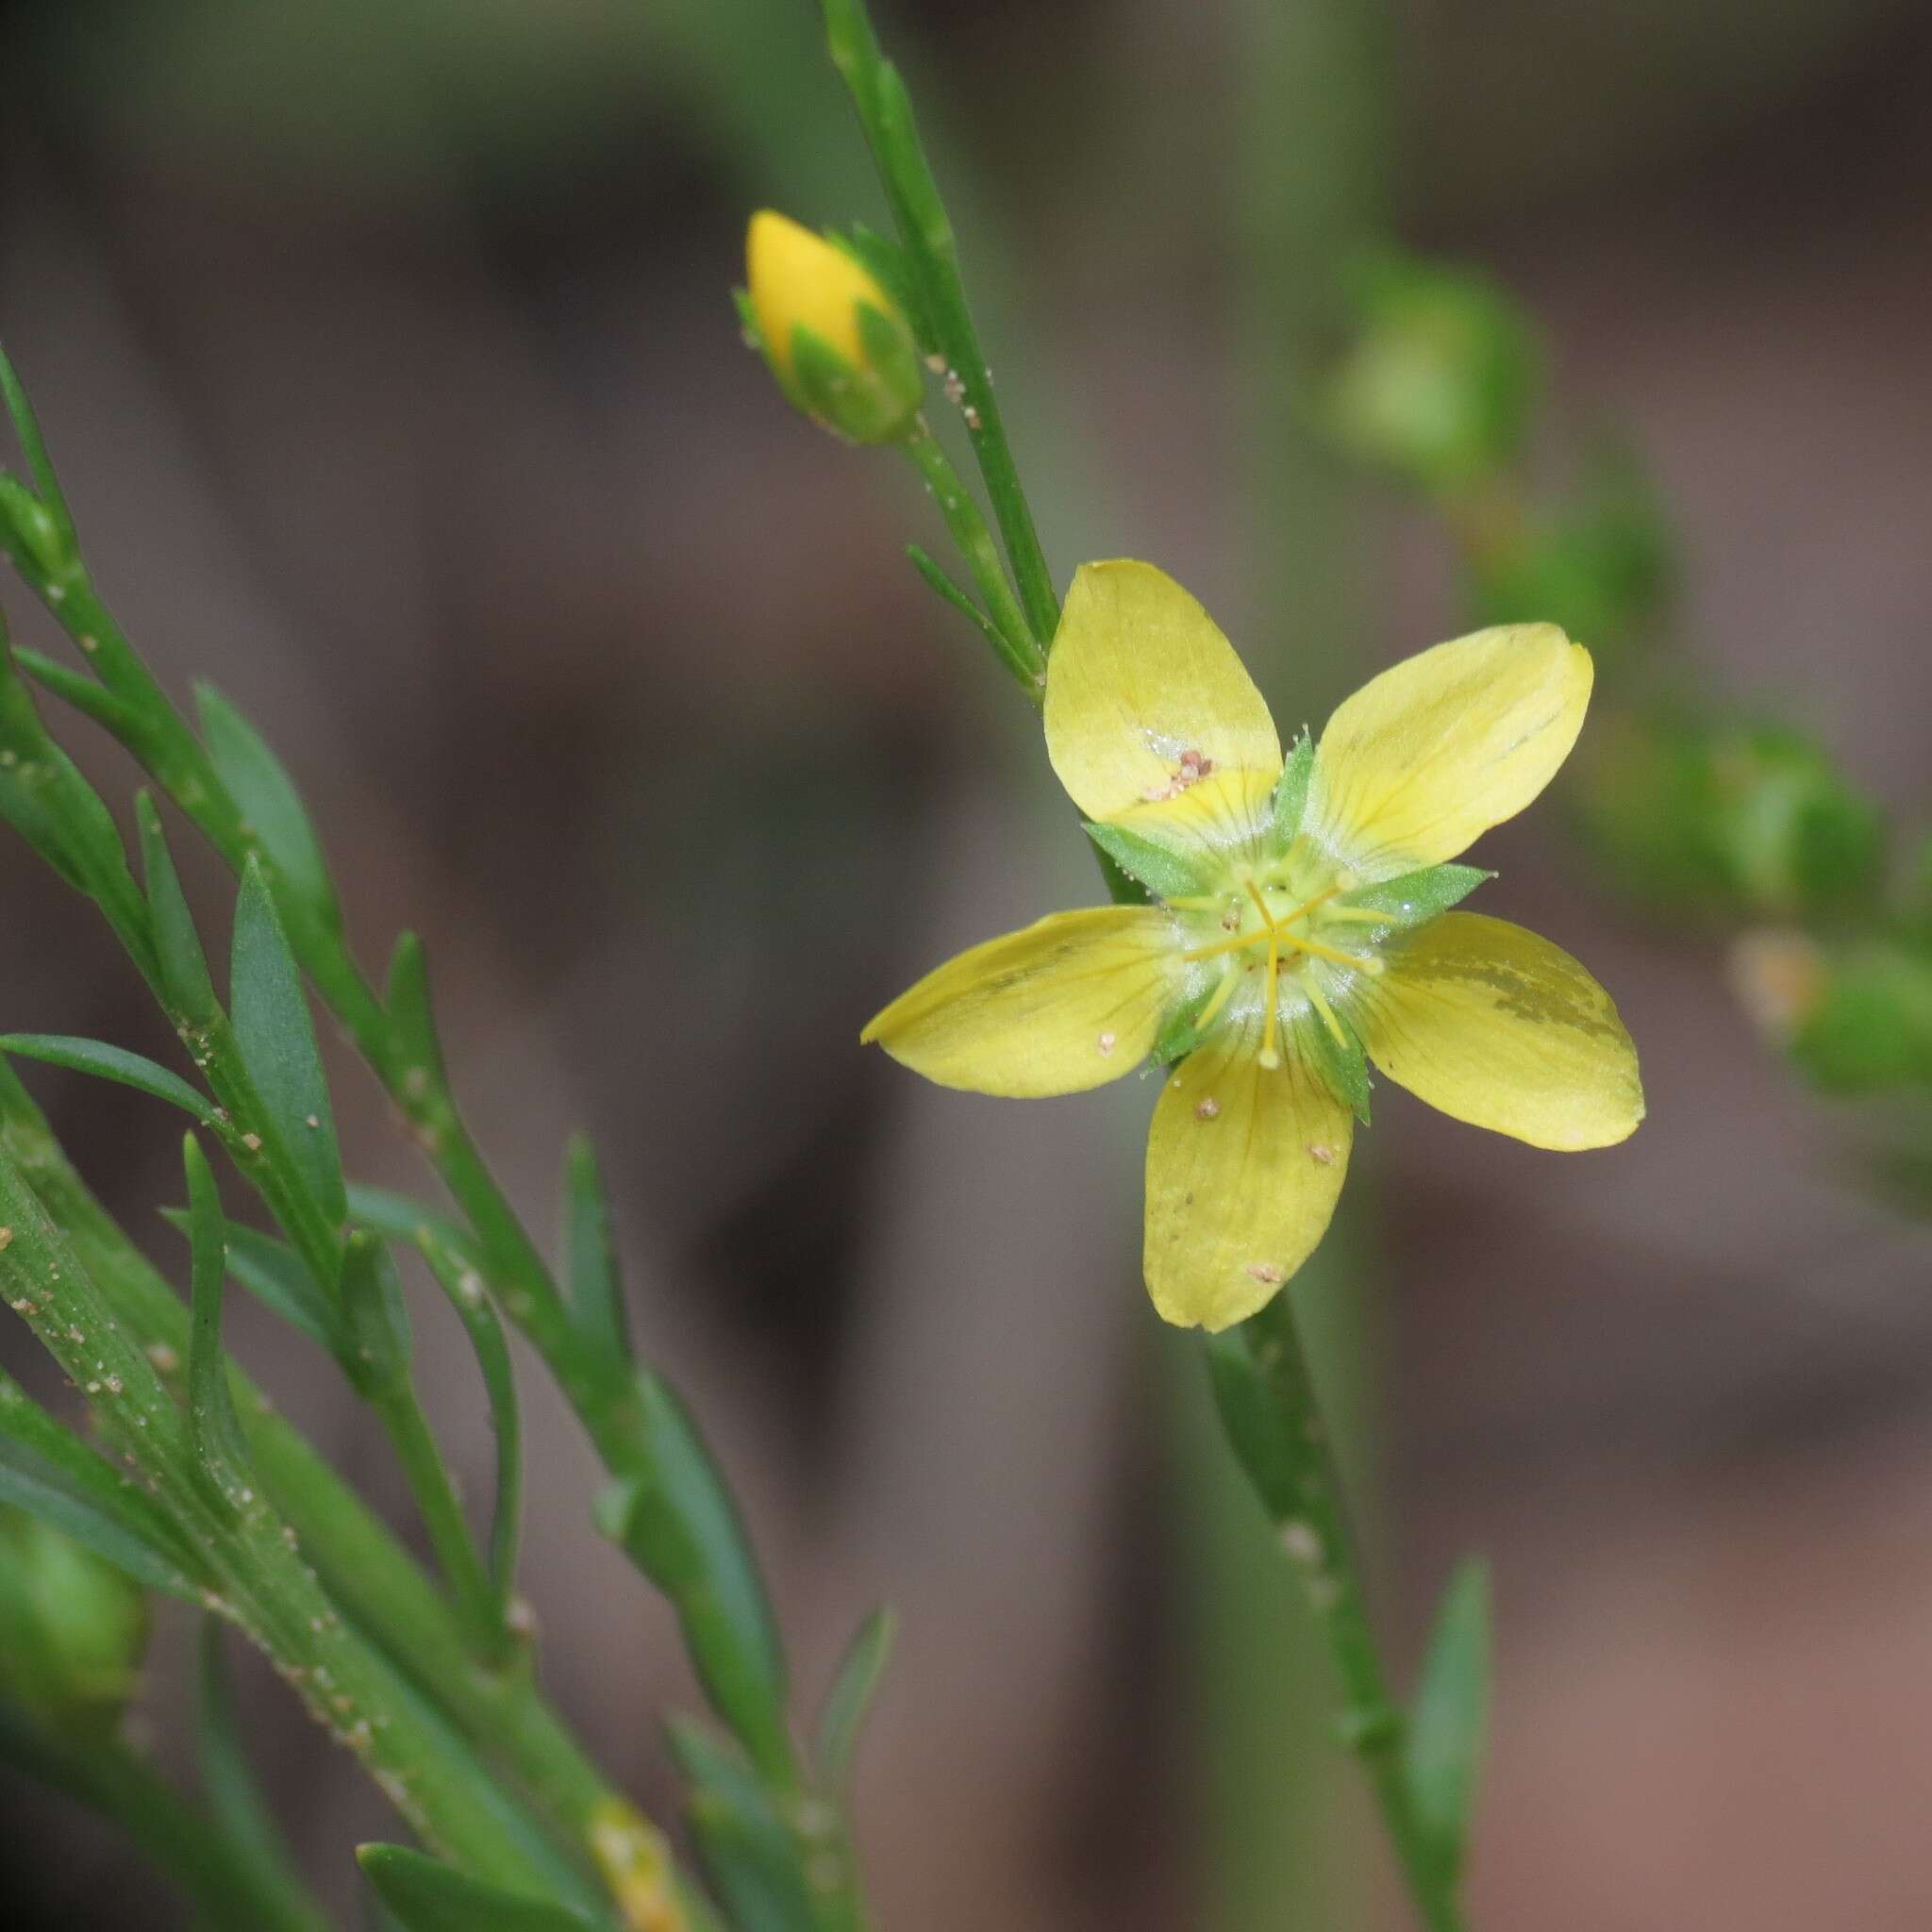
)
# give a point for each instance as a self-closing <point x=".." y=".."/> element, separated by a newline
<point x="837" y="342"/>
<point x="73" y="1627"/>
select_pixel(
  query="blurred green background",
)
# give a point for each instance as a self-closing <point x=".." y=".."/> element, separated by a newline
<point x="389" y="356"/>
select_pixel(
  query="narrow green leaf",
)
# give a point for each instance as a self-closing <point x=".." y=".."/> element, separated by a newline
<point x="1291" y="790"/>
<point x="1442" y="1752"/>
<point x="220" y="1447"/>
<point x="425" y="1896"/>
<point x="681" y="1527"/>
<point x="33" y="446"/>
<point x="464" y="1287"/>
<point x="276" y="1038"/>
<point x="951" y="593"/>
<point x="177" y="944"/>
<point x="277" y="1276"/>
<point x="1416" y="897"/>
<point x="1164" y="870"/>
<point x="597" y="1286"/>
<point x="50" y="1473"/>
<point x="403" y="1218"/>
<point x="410" y="1009"/>
<point x="752" y="1858"/>
<point x="233" y="1795"/>
<point x="375" y="1317"/>
<point x="270" y="803"/>
<point x="115" y="1063"/>
<point x="850" y="1696"/>
<point x="88" y="695"/>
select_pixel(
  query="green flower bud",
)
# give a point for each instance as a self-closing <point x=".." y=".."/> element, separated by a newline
<point x="838" y="345"/>
<point x="73" y="1627"/>
<point x="1440" y="382"/>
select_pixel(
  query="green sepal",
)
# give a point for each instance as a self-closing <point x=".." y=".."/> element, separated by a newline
<point x="375" y="1317"/>
<point x="1166" y="870"/>
<point x="178" y="945"/>
<point x="851" y="1695"/>
<point x="866" y="405"/>
<point x="1417" y="897"/>
<point x="425" y="1896"/>
<point x="1179" y="1035"/>
<point x="885" y="261"/>
<point x="1291" y="792"/>
<point x="1341" y="1063"/>
<point x="748" y="320"/>
<point x="220" y="1447"/>
<point x="271" y="806"/>
<point x="115" y="1063"/>
<point x="275" y="1035"/>
<point x="1444" y="1741"/>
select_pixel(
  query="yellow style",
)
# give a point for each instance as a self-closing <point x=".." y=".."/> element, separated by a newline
<point x="1299" y="925"/>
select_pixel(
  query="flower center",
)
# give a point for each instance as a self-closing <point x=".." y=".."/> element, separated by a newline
<point x="1269" y="927"/>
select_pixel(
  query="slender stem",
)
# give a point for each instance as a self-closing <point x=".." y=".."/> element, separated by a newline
<point x="1272" y="1416"/>
<point x="230" y="1890"/>
<point x="437" y="1502"/>
<point x="380" y="1588"/>
<point x="925" y="231"/>
<point x="1018" y="650"/>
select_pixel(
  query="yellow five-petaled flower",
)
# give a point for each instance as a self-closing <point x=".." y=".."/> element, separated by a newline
<point x="1299" y="925"/>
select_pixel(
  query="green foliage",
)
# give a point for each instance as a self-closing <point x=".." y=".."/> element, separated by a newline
<point x="850" y="1697"/>
<point x="590" y="1270"/>
<point x="1867" y="1026"/>
<point x="104" y="1062"/>
<point x="1443" y="1747"/>
<point x="747" y="1850"/>
<point x="424" y="1896"/>
<point x="74" y="1627"/>
<point x="215" y="1429"/>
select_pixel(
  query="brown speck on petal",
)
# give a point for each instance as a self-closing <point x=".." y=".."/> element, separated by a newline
<point x="1264" y="1272"/>
<point x="1106" y="1042"/>
<point x="1326" y="1156"/>
<point x="1206" y="1107"/>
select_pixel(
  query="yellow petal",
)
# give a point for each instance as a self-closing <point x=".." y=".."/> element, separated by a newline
<point x="1070" y="1003"/>
<point x="1143" y="694"/>
<point x="1243" y="1166"/>
<point x="1439" y="748"/>
<point x="1501" y="1029"/>
<point x="796" y="277"/>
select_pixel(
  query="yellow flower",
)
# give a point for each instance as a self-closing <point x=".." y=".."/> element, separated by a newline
<point x="837" y="342"/>
<point x="1299" y="926"/>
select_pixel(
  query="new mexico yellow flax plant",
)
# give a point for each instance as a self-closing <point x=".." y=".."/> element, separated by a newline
<point x="1300" y="926"/>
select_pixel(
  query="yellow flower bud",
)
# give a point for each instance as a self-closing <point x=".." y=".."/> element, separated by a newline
<point x="837" y="342"/>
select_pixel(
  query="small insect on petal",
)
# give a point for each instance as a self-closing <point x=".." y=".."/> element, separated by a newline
<point x="1206" y="1107"/>
<point x="1106" y="1042"/>
<point x="1264" y="1272"/>
<point x="1326" y="1156"/>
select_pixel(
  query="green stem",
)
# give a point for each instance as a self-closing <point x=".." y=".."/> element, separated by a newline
<point x="230" y="1892"/>
<point x="1274" y="1419"/>
<point x="1018" y="650"/>
<point x="379" y="1587"/>
<point x="925" y="232"/>
<point x="256" y="1572"/>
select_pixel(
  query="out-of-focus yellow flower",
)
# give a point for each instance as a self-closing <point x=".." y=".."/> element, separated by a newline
<point x="837" y="342"/>
<point x="1299" y="927"/>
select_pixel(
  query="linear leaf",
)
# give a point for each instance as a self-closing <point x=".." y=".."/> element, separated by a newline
<point x="751" y="1856"/>
<point x="116" y="1063"/>
<point x="410" y="1009"/>
<point x="851" y="1695"/>
<point x="48" y="1472"/>
<point x="1443" y="1751"/>
<point x="596" y="1288"/>
<point x="177" y="944"/>
<point x="276" y="1036"/>
<point x="278" y="1278"/>
<point x="219" y="1444"/>
<point x="260" y="786"/>
<point x="429" y="1897"/>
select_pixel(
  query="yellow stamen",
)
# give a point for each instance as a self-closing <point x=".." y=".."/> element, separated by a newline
<point x="1318" y="1000"/>
<point x="1362" y="962"/>
<point x="1211" y="1012"/>
<point x="1227" y="945"/>
<point x="1270" y="1059"/>
<point x="1308" y="905"/>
